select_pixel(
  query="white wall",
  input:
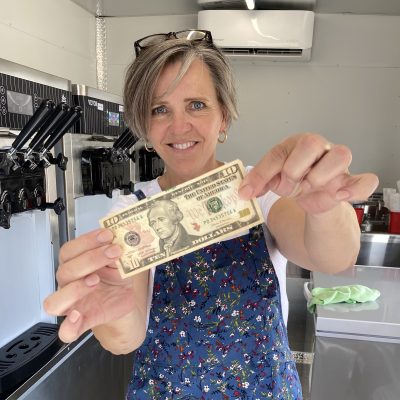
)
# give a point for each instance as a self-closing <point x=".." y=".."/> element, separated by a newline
<point x="350" y="91"/>
<point x="57" y="37"/>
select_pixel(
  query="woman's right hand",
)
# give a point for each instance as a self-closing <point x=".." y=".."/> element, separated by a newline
<point x="90" y="290"/>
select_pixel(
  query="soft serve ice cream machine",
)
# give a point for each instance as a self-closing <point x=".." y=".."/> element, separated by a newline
<point x="36" y="110"/>
<point x="64" y="159"/>
<point x="101" y="166"/>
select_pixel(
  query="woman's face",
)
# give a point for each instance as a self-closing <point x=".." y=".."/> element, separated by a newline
<point x="185" y="122"/>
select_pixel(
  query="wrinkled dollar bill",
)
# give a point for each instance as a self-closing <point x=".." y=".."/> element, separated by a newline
<point x="182" y="219"/>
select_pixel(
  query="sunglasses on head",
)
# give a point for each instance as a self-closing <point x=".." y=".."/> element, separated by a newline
<point x="195" y="35"/>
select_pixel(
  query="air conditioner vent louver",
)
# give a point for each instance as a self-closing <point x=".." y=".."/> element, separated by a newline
<point x="272" y="52"/>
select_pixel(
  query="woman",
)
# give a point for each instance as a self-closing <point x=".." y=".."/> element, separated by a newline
<point x="211" y="323"/>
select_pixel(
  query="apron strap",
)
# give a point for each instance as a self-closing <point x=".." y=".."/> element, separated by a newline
<point x="139" y="194"/>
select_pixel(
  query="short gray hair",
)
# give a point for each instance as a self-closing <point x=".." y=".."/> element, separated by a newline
<point x="143" y="73"/>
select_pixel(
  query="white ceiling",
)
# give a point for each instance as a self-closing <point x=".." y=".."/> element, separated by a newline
<point x="130" y="8"/>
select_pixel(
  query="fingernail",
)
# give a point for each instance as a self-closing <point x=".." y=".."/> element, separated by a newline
<point x="92" y="280"/>
<point x="246" y="192"/>
<point x="105" y="236"/>
<point x="342" y="195"/>
<point x="73" y="316"/>
<point x="113" y="251"/>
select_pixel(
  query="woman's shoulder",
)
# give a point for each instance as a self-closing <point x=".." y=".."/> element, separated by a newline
<point x="149" y="188"/>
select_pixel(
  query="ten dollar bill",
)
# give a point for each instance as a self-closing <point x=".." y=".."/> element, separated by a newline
<point x="182" y="219"/>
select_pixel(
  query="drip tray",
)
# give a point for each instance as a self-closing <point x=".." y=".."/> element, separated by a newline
<point x="26" y="354"/>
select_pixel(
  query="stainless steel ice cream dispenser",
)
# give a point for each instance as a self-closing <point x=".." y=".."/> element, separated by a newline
<point x="22" y="170"/>
<point x="30" y="351"/>
<point x="105" y="169"/>
<point x="100" y="163"/>
<point x="41" y="116"/>
<point x="33" y="108"/>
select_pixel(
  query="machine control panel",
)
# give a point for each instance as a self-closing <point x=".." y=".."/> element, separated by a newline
<point x="100" y="116"/>
<point x="20" y="98"/>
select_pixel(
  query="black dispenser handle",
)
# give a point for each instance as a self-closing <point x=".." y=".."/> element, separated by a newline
<point x="37" y="119"/>
<point x="122" y="138"/>
<point x="131" y="141"/>
<point x="69" y="120"/>
<point x="51" y="123"/>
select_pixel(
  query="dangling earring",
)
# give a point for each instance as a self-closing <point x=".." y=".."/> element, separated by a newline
<point x="149" y="149"/>
<point x="222" y="137"/>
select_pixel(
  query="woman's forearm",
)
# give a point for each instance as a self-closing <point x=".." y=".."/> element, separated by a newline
<point x="127" y="333"/>
<point x="332" y="239"/>
<point x="327" y="242"/>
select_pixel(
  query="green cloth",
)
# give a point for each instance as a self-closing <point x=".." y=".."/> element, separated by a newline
<point x="341" y="294"/>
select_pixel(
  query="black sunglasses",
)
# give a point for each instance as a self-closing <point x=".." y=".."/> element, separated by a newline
<point x="188" y="34"/>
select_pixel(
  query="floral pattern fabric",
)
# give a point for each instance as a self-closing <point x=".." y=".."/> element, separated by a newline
<point x="216" y="329"/>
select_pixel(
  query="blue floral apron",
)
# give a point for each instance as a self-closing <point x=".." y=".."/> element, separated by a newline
<point x="216" y="329"/>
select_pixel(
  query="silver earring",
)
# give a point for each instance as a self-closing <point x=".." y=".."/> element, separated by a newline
<point x="149" y="149"/>
<point x="222" y="137"/>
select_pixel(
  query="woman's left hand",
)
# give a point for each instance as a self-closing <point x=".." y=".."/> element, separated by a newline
<point x="310" y="169"/>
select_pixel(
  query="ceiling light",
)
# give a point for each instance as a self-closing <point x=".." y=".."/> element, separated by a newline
<point x="250" y="4"/>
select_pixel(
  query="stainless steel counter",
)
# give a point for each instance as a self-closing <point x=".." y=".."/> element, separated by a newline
<point x="357" y="346"/>
<point x="376" y="321"/>
<point x="355" y="370"/>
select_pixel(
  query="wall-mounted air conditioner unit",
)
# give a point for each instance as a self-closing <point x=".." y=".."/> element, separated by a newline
<point x="275" y="35"/>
